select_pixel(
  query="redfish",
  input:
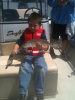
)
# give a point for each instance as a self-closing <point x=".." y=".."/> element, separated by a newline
<point x="32" y="43"/>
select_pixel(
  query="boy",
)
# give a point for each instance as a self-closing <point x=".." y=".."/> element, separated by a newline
<point x="33" y="56"/>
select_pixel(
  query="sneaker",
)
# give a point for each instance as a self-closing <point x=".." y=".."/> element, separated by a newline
<point x="22" y="97"/>
<point x="64" y="56"/>
<point x="40" y="97"/>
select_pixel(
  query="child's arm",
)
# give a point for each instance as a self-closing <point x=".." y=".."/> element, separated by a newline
<point x="40" y="46"/>
<point x="18" y="44"/>
<point x="45" y="47"/>
<point x="16" y="47"/>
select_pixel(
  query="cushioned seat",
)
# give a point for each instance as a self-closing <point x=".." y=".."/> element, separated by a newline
<point x="9" y="77"/>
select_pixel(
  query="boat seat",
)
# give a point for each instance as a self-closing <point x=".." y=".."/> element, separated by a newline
<point x="10" y="15"/>
<point x="9" y="80"/>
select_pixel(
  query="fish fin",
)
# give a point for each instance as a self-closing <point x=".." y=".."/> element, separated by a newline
<point x="10" y="60"/>
<point x="54" y="45"/>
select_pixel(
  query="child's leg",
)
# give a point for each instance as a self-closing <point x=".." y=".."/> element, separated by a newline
<point x="25" y="74"/>
<point x="40" y="69"/>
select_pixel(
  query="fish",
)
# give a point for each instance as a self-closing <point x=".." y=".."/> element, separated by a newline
<point x="10" y="59"/>
<point x="32" y="43"/>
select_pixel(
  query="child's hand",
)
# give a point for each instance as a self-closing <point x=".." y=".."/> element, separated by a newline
<point x="38" y="45"/>
<point x="16" y="47"/>
<point x="14" y="51"/>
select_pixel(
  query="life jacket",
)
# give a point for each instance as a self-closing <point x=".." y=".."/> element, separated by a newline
<point x="28" y="35"/>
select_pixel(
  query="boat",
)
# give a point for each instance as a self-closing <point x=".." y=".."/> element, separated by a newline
<point x="60" y="78"/>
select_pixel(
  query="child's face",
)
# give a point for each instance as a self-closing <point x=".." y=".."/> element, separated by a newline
<point x="34" y="26"/>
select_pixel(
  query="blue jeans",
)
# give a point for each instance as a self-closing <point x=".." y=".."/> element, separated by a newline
<point x="40" y="69"/>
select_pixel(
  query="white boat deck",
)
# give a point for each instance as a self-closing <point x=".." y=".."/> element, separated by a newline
<point x="66" y="80"/>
